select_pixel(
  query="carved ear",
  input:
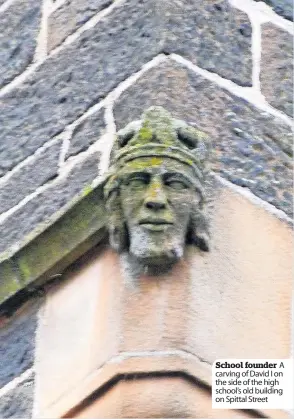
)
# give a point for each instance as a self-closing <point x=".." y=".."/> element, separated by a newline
<point x="198" y="233"/>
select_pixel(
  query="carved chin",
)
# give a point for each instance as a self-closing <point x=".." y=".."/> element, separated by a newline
<point x="156" y="258"/>
<point x="154" y="255"/>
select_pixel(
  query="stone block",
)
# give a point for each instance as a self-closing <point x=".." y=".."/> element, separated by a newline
<point x="86" y="133"/>
<point x="250" y="147"/>
<point x="19" y="30"/>
<point x="231" y="302"/>
<point x="9" y="280"/>
<point x="76" y="232"/>
<point x="36" y="214"/>
<point x="26" y="180"/>
<point x="18" y="343"/>
<point x="85" y="71"/>
<point x="282" y="7"/>
<point x="277" y="68"/>
<point x="70" y="16"/>
<point x="18" y="403"/>
<point x="79" y="76"/>
<point x="212" y="34"/>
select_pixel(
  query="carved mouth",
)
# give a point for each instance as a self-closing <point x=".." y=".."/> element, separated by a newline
<point x="155" y="225"/>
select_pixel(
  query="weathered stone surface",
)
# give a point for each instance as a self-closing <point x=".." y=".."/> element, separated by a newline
<point x="49" y="253"/>
<point x="83" y="73"/>
<point x="28" y="178"/>
<point x="250" y="147"/>
<point x="212" y="34"/>
<point x="86" y="133"/>
<point x="204" y="306"/>
<point x="277" y="67"/>
<point x="37" y="212"/>
<point x="18" y="343"/>
<point x="282" y="7"/>
<point x="9" y="283"/>
<point x="74" y="79"/>
<point x="18" y="403"/>
<point x="70" y="16"/>
<point x="19" y="30"/>
<point x="157" y="395"/>
<point x="139" y="185"/>
<point x="65" y="241"/>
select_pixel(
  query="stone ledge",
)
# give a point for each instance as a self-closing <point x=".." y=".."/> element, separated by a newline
<point x="52" y="250"/>
<point x="41" y="210"/>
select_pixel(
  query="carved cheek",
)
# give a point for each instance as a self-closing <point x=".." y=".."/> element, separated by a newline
<point x="181" y="205"/>
<point x="132" y="203"/>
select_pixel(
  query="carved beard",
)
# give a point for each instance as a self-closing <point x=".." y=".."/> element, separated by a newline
<point x="156" y="248"/>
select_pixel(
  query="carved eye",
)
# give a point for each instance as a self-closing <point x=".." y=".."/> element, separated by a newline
<point x="137" y="182"/>
<point x="176" y="184"/>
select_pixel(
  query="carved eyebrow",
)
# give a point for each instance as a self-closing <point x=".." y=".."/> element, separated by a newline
<point x="147" y="173"/>
<point x="131" y="175"/>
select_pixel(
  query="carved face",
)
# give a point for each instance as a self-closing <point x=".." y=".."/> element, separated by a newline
<point x="157" y="196"/>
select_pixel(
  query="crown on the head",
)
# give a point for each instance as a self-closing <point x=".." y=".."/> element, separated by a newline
<point x="158" y="134"/>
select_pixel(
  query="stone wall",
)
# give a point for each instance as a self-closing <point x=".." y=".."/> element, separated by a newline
<point x="74" y="71"/>
<point x="17" y="354"/>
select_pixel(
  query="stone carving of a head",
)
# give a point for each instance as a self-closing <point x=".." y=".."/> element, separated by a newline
<point x="154" y="189"/>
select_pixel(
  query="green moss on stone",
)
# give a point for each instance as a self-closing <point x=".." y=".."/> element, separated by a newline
<point x="58" y="241"/>
<point x="25" y="271"/>
<point x="9" y="284"/>
<point x="144" y="135"/>
<point x="87" y="190"/>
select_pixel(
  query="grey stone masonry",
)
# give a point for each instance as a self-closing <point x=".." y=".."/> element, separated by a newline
<point x="37" y="213"/>
<point x="133" y="48"/>
<point x="17" y="347"/>
<point x="251" y="148"/>
<point x="68" y="83"/>
<point x="35" y="173"/>
<point x="18" y="403"/>
<point x="212" y="34"/>
<point x="282" y="7"/>
<point x="19" y="28"/>
<point x="86" y="133"/>
<point x="70" y="16"/>
<point x="277" y="67"/>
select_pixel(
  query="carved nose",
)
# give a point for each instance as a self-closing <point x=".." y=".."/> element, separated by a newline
<point x="155" y="205"/>
<point x="155" y="198"/>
